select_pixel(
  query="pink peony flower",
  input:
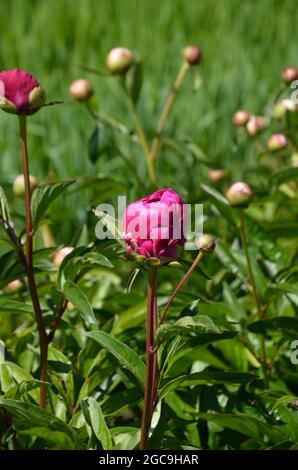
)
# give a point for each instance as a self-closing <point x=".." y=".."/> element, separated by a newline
<point x="20" y="92"/>
<point x="154" y="226"/>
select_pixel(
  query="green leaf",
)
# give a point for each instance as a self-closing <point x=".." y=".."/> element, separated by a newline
<point x="286" y="174"/>
<point x="13" y="306"/>
<point x="122" y="352"/>
<point x="134" y="81"/>
<point x="221" y="203"/>
<point x="43" y="196"/>
<point x="188" y="327"/>
<point x="244" y="424"/>
<point x="32" y="420"/>
<point x="95" y="418"/>
<point x="278" y="325"/>
<point x="4" y="206"/>
<point x="79" y="299"/>
<point x="99" y="142"/>
<point x="207" y="378"/>
<point x="112" y="225"/>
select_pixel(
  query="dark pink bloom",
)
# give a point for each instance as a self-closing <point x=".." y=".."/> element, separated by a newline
<point x="20" y="92"/>
<point x="154" y="226"/>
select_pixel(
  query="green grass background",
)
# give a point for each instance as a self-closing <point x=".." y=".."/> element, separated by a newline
<point x="246" y="45"/>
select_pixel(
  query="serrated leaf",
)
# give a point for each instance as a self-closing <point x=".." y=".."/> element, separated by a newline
<point x="187" y="327"/>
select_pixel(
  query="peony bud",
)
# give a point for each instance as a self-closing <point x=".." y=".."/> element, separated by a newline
<point x="192" y="54"/>
<point x="14" y="286"/>
<point x="290" y="74"/>
<point x="255" y="125"/>
<point x="216" y="175"/>
<point x="294" y="160"/>
<point x="289" y="105"/>
<point x="20" y="92"/>
<point x="81" y="89"/>
<point x="239" y="194"/>
<point x="119" y="60"/>
<point x="277" y="142"/>
<point x="240" y="118"/>
<point x="206" y="243"/>
<point x="279" y="110"/>
<point x="154" y="227"/>
<point x="61" y="254"/>
<point x="19" y="184"/>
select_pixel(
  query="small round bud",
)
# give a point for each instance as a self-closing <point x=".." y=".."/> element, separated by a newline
<point x="239" y="194"/>
<point x="81" y="89"/>
<point x="255" y="125"/>
<point x="19" y="184"/>
<point x="192" y="54"/>
<point x="206" y="243"/>
<point x="216" y="175"/>
<point x="290" y="74"/>
<point x="290" y="105"/>
<point x="277" y="142"/>
<point x="294" y="160"/>
<point x="279" y="110"/>
<point x="240" y="118"/>
<point x="61" y="254"/>
<point x="14" y="286"/>
<point x="119" y="60"/>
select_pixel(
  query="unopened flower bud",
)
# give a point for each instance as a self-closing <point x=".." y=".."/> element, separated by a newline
<point x="19" y="184"/>
<point x="14" y="286"/>
<point x="61" y="254"/>
<point x="279" y="110"/>
<point x="206" y="243"/>
<point x="20" y="92"/>
<point x="290" y="105"/>
<point x="255" y="125"/>
<point x="192" y="54"/>
<point x="290" y="74"/>
<point x="294" y="160"/>
<point x="81" y="89"/>
<point x="240" y="118"/>
<point x="239" y="194"/>
<point x="119" y="60"/>
<point x="217" y="175"/>
<point x="277" y="142"/>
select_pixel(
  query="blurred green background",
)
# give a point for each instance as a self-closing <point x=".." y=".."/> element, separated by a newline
<point x="246" y="45"/>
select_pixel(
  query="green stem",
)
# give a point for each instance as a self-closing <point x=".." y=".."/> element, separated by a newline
<point x="166" y="109"/>
<point x="180" y="285"/>
<point x="151" y="359"/>
<point x="143" y="143"/>
<point x="43" y="342"/>
<point x="255" y="294"/>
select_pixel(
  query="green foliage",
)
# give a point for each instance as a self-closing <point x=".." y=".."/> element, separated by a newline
<point x="211" y="389"/>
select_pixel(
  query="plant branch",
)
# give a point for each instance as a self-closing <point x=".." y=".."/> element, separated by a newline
<point x="151" y="359"/>
<point x="255" y="293"/>
<point x="43" y="342"/>
<point x="180" y="285"/>
<point x="143" y="142"/>
<point x="166" y="109"/>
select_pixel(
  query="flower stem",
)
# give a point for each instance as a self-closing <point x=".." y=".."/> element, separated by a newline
<point x="166" y="109"/>
<point x="255" y="294"/>
<point x="43" y="342"/>
<point x="151" y="358"/>
<point x="180" y="285"/>
<point x="143" y="142"/>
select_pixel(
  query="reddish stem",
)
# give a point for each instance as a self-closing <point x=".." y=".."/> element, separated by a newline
<point x="43" y="342"/>
<point x="151" y="359"/>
